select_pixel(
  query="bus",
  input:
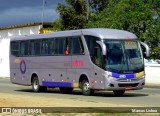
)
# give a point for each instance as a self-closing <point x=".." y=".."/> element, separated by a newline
<point x="89" y="59"/>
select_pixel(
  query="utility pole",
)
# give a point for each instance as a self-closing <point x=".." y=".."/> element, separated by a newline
<point x="88" y="9"/>
<point x="43" y="12"/>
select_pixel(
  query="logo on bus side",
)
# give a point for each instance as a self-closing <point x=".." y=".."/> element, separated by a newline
<point x="77" y="63"/>
<point x="22" y="66"/>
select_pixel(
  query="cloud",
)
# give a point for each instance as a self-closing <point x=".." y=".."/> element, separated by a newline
<point x="26" y="15"/>
<point x="22" y="12"/>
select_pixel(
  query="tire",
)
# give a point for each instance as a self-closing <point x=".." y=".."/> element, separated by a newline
<point x="36" y="87"/>
<point x="85" y="88"/>
<point x="118" y="92"/>
<point x="66" y="90"/>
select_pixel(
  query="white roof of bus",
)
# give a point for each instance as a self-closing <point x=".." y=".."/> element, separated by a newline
<point x="103" y="33"/>
<point x="109" y="33"/>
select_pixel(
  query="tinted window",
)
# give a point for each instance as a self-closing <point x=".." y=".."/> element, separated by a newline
<point x="35" y="47"/>
<point x="45" y="47"/>
<point x="15" y="48"/>
<point x="24" y="48"/>
<point x="52" y="47"/>
<point x="59" y="45"/>
<point x="77" y="47"/>
<point x="91" y="43"/>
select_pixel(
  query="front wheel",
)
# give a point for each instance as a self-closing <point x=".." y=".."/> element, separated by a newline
<point x="119" y="92"/>
<point x="36" y="87"/>
<point x="86" y="88"/>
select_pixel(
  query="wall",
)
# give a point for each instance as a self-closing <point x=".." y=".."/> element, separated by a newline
<point x="152" y="73"/>
<point x="5" y="36"/>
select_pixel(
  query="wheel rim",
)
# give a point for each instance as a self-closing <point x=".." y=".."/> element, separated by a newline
<point x="35" y="85"/>
<point x="86" y="86"/>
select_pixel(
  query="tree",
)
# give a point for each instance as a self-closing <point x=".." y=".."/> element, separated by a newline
<point x="73" y="14"/>
<point x="141" y="17"/>
<point x="98" y="5"/>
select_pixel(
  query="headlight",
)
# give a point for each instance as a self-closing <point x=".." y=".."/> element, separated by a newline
<point x="112" y="78"/>
<point x="141" y="77"/>
<point x="109" y="77"/>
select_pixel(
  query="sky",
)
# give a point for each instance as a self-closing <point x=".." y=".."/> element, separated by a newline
<point x="14" y="12"/>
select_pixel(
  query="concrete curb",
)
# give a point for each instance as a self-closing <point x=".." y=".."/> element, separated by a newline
<point x="152" y="85"/>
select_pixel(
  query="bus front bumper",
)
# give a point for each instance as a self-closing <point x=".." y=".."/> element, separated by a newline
<point x="128" y="84"/>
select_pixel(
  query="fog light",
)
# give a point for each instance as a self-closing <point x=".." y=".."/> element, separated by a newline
<point x="111" y="85"/>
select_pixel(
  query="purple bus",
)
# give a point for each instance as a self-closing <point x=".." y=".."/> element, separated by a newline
<point x="89" y="59"/>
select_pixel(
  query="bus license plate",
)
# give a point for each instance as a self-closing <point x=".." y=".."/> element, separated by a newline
<point x="128" y="88"/>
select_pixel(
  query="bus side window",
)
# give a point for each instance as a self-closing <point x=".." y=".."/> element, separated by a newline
<point x="15" y="48"/>
<point x="77" y="46"/>
<point x="45" y="47"/>
<point x="24" y="48"/>
<point x="52" y="47"/>
<point x="60" y="46"/>
<point x="35" y="47"/>
<point x="98" y="56"/>
<point x="91" y="42"/>
<point x="67" y="47"/>
<point x="32" y="48"/>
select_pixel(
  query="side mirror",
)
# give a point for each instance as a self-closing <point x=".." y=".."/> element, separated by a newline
<point x="147" y="52"/>
<point x="103" y="47"/>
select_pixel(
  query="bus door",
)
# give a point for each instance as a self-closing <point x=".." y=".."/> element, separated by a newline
<point x="98" y="68"/>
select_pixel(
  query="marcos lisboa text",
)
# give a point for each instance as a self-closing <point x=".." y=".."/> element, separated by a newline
<point x="147" y="110"/>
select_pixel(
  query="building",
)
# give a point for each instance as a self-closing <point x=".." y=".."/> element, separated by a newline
<point x="17" y="30"/>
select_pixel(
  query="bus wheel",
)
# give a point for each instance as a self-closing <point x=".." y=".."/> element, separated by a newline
<point x="119" y="92"/>
<point x="36" y="87"/>
<point x="85" y="88"/>
<point x="66" y="90"/>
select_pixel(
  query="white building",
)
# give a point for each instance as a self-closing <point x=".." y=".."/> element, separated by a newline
<point x="17" y="30"/>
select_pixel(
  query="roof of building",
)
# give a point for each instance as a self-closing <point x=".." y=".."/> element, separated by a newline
<point x="45" y="24"/>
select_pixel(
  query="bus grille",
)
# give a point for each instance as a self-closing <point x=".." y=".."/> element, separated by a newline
<point x="125" y="80"/>
<point x="128" y="84"/>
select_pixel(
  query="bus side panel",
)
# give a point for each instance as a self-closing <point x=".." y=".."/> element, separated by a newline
<point x="18" y="70"/>
<point x="99" y="80"/>
<point x="50" y="69"/>
<point x="81" y="65"/>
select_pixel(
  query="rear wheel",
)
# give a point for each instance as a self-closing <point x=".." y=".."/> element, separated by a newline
<point x="86" y="88"/>
<point x="119" y="92"/>
<point x="36" y="87"/>
<point x="66" y="90"/>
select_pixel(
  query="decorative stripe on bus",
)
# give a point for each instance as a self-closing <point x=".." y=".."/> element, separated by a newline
<point x="60" y="84"/>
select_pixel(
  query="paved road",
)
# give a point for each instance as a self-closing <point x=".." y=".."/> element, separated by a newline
<point x="149" y="97"/>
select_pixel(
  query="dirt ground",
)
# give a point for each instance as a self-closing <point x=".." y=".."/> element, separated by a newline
<point x="12" y="100"/>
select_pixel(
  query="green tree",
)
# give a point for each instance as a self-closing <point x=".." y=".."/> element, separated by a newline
<point x="98" y="5"/>
<point x="57" y="26"/>
<point x="141" y="17"/>
<point x="73" y="14"/>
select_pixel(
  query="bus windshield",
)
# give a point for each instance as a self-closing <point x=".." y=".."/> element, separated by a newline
<point x="123" y="56"/>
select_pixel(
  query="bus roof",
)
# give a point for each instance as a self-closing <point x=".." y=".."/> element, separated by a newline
<point x="102" y="33"/>
<point x="109" y="33"/>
